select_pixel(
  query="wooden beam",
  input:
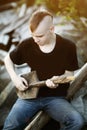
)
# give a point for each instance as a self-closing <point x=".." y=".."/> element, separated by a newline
<point x="80" y="77"/>
<point x="2" y="2"/>
<point x="5" y="93"/>
<point x="38" y="122"/>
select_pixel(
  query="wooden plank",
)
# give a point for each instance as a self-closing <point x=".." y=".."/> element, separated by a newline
<point x="2" y="2"/>
<point x="5" y="93"/>
<point x="80" y="77"/>
<point x="17" y="22"/>
<point x="38" y="122"/>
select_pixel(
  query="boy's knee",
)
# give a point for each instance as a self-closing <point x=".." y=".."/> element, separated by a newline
<point x="77" y="120"/>
<point x="74" y="120"/>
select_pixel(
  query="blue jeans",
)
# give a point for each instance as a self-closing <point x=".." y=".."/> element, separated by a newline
<point x="57" y="108"/>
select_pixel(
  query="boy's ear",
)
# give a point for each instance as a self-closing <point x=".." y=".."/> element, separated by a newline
<point x="52" y="28"/>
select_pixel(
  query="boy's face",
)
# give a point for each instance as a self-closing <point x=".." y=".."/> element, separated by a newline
<point x="43" y="32"/>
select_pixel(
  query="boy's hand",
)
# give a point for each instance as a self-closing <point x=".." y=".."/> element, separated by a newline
<point x="50" y="84"/>
<point x="20" y="83"/>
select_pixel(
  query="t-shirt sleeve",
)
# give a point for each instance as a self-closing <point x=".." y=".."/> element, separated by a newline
<point x="18" y="55"/>
<point x="72" y="57"/>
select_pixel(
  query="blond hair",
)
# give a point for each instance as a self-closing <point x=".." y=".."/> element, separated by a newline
<point x="37" y="17"/>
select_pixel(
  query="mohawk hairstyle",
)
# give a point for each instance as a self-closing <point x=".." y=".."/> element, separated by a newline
<point x="37" y="17"/>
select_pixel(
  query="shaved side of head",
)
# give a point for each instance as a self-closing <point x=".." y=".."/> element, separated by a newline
<point x="37" y="17"/>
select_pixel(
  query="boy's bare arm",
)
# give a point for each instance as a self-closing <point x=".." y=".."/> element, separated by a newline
<point x="19" y="82"/>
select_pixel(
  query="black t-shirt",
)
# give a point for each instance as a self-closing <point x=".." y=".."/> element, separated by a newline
<point x="62" y="58"/>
